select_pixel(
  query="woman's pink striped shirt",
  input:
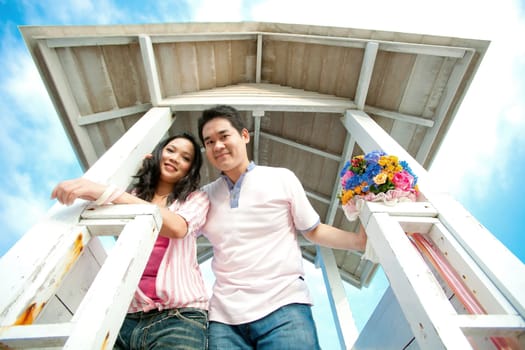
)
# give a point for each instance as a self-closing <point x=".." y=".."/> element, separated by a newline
<point x="179" y="280"/>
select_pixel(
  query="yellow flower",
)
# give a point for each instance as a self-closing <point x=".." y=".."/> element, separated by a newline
<point x="347" y="195"/>
<point x="380" y="178"/>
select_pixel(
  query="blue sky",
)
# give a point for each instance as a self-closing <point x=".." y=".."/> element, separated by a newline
<point x="482" y="160"/>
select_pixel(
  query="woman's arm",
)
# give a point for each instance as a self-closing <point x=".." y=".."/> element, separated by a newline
<point x="173" y="225"/>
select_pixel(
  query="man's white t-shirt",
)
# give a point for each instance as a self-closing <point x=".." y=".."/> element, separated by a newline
<point x="253" y="227"/>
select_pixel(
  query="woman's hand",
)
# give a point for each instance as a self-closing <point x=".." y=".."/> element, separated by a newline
<point x="67" y="191"/>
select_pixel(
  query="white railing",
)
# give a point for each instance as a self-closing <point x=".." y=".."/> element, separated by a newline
<point x="488" y="272"/>
<point x="59" y="287"/>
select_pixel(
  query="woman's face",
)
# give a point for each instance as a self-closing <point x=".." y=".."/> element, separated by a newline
<point x="176" y="160"/>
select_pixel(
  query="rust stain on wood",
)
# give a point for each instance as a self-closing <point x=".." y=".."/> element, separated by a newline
<point x="105" y="342"/>
<point x="29" y="315"/>
<point x="78" y="247"/>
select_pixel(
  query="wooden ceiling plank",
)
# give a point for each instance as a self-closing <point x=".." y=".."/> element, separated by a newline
<point x="206" y="73"/>
<point x="187" y="54"/>
<point x="332" y="57"/>
<point x="417" y="86"/>
<point x="76" y="80"/>
<point x="168" y="70"/>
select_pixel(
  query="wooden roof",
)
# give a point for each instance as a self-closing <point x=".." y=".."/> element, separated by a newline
<point x="292" y="83"/>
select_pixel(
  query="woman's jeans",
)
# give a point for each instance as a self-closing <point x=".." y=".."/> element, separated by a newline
<point x="184" y="328"/>
<point x="287" y="328"/>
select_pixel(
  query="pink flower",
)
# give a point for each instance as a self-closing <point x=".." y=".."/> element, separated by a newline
<point x="403" y="180"/>
<point x="346" y="177"/>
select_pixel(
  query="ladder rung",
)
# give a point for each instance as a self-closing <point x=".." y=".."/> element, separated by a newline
<point x="494" y="325"/>
<point x="413" y="209"/>
<point x="101" y="227"/>
<point x="36" y="335"/>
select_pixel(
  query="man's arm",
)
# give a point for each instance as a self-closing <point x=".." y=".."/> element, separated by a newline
<point x="333" y="237"/>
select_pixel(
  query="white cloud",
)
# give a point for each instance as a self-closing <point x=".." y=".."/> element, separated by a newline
<point x="74" y="11"/>
<point x="29" y="114"/>
<point x="34" y="151"/>
<point x="217" y="11"/>
<point x="490" y="121"/>
<point x="23" y="205"/>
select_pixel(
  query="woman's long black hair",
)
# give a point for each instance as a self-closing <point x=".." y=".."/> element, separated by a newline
<point x="147" y="178"/>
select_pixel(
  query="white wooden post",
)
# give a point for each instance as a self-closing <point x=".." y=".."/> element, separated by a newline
<point x="99" y="317"/>
<point x="341" y="311"/>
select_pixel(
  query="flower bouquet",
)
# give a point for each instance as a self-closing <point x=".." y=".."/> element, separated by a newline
<point x="376" y="177"/>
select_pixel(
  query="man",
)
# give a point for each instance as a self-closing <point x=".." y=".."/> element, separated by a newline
<point x="260" y="299"/>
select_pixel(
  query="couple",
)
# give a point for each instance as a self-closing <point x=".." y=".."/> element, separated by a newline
<point x="250" y="214"/>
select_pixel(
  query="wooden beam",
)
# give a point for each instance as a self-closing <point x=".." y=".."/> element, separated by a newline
<point x="334" y="200"/>
<point x="450" y="93"/>
<point x="317" y="197"/>
<point x="68" y="105"/>
<point x="150" y="67"/>
<point x="208" y="36"/>
<point x="301" y="146"/>
<point x="393" y="46"/>
<point x="258" y="65"/>
<point x="123" y="159"/>
<point x="367" y="68"/>
<point x="80" y="41"/>
<point x="491" y="325"/>
<point x="257" y="115"/>
<point x="341" y="311"/>
<point x="36" y="336"/>
<point x="399" y="116"/>
<point x="113" y="114"/>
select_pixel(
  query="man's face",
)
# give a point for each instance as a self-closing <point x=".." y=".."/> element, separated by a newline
<point x="225" y="147"/>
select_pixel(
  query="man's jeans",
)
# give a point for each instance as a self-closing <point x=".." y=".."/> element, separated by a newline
<point x="287" y="328"/>
<point x="184" y="328"/>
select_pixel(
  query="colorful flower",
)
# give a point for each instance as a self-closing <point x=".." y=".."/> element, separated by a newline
<point x="365" y="176"/>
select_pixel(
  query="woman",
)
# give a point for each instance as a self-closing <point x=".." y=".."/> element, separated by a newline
<point x="169" y="309"/>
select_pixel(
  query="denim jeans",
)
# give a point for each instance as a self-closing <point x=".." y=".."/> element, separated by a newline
<point x="184" y="328"/>
<point x="290" y="327"/>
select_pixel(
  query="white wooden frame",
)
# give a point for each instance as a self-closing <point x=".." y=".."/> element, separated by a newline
<point x="33" y="270"/>
<point x="487" y="268"/>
